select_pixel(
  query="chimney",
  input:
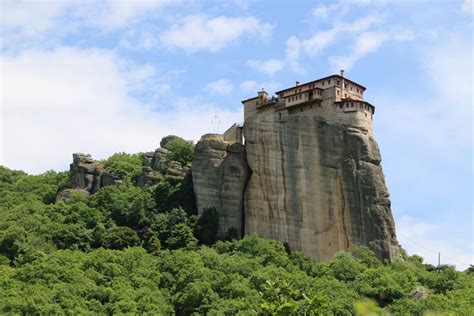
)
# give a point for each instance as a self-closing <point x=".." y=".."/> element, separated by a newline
<point x="342" y="73"/>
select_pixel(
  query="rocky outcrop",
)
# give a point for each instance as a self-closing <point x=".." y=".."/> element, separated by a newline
<point x="316" y="185"/>
<point x="220" y="174"/>
<point x="148" y="177"/>
<point x="68" y="193"/>
<point x="174" y="168"/>
<point x="419" y="293"/>
<point x="165" y="140"/>
<point x="88" y="174"/>
<point x="159" y="158"/>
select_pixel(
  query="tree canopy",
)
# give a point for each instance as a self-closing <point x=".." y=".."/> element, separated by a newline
<point x="145" y="250"/>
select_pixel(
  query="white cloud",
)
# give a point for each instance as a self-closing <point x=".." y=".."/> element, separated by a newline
<point x="324" y="10"/>
<point x="31" y="17"/>
<point x="68" y="100"/>
<point x="141" y="39"/>
<point x="270" y="66"/>
<point x="222" y="86"/>
<point x="44" y="22"/>
<point x="251" y="86"/>
<point x="320" y="40"/>
<point x="293" y="51"/>
<point x="113" y="14"/>
<point x="467" y="7"/>
<point x="368" y="42"/>
<point x="427" y="240"/>
<point x="197" y="32"/>
<point x="365" y="44"/>
<point x="340" y="8"/>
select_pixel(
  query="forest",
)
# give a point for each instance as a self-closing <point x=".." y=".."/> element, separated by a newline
<point x="132" y="250"/>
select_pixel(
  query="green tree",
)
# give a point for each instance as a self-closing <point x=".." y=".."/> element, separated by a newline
<point x="126" y="205"/>
<point x="181" y="151"/>
<point x="207" y="226"/>
<point x="120" y="238"/>
<point x="175" y="192"/>
<point x="125" y="165"/>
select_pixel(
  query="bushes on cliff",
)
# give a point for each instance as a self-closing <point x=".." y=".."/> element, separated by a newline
<point x="181" y="150"/>
<point x="125" y="165"/>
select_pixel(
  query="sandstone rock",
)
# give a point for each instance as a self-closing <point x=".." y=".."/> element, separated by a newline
<point x="165" y="140"/>
<point x="175" y="169"/>
<point x="90" y="175"/>
<point x="316" y="185"/>
<point x="148" y="157"/>
<point x="148" y="177"/>
<point x="220" y="173"/>
<point x="67" y="194"/>
<point x="419" y="293"/>
<point x="159" y="157"/>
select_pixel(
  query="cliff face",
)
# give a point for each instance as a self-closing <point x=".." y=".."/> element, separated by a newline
<point x="220" y="174"/>
<point x="316" y="185"/>
<point x="89" y="175"/>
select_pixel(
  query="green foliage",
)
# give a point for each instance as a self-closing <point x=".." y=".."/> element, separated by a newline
<point x="231" y="234"/>
<point x="173" y="229"/>
<point x="175" y="192"/>
<point x="126" y="205"/>
<point x="207" y="226"/>
<point x="120" y="238"/>
<point x="53" y="261"/>
<point x="125" y="165"/>
<point x="73" y="282"/>
<point x="181" y="151"/>
<point x="345" y="267"/>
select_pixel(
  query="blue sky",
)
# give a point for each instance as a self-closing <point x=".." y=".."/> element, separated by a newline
<point x="108" y="76"/>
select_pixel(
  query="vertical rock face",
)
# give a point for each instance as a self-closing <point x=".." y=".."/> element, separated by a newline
<point x="88" y="174"/>
<point x="220" y="174"/>
<point x="316" y="185"/>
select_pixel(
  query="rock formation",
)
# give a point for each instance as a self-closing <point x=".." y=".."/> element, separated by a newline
<point x="148" y="177"/>
<point x="88" y="174"/>
<point x="68" y="193"/>
<point x="220" y="174"/>
<point x="313" y="184"/>
<point x="316" y="185"/>
<point x="165" y="140"/>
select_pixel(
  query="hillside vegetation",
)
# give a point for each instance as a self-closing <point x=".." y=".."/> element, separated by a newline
<point x="144" y="250"/>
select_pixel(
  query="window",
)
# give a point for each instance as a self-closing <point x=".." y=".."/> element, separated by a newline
<point x="322" y="83"/>
<point x="329" y="81"/>
<point x="345" y="95"/>
<point x="340" y="106"/>
<point x="338" y="92"/>
<point x="352" y="105"/>
<point x="338" y="82"/>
